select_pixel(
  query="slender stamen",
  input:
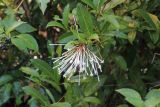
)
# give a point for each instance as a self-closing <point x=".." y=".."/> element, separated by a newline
<point x="78" y="59"/>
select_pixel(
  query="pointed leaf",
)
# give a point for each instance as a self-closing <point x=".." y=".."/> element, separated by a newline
<point x="66" y="16"/>
<point x="85" y="20"/>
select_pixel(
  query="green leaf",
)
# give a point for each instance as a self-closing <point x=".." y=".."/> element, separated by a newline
<point x="36" y="94"/>
<point x="153" y="98"/>
<point x="120" y="61"/>
<point x="24" y="42"/>
<point x="85" y="20"/>
<point x="113" y="3"/>
<point x="53" y="84"/>
<point x="5" y="93"/>
<point x="93" y="100"/>
<point x="13" y="26"/>
<point x="30" y="71"/>
<point x="95" y="84"/>
<point x="131" y="36"/>
<point x="66" y="16"/>
<point x="153" y="93"/>
<point x="60" y="104"/>
<point x="66" y="37"/>
<point x="89" y="3"/>
<point x="54" y="23"/>
<point x="147" y="17"/>
<point x="50" y="48"/>
<point x="113" y="20"/>
<point x="1" y="29"/>
<point x="152" y="102"/>
<point x="4" y="79"/>
<point x="50" y="95"/>
<point x="25" y="28"/>
<point x="43" y="4"/>
<point x="154" y="35"/>
<point x="98" y="4"/>
<point x="131" y="96"/>
<point x="46" y="69"/>
<point x="59" y="50"/>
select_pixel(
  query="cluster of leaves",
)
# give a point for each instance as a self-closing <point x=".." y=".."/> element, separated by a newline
<point x="126" y="33"/>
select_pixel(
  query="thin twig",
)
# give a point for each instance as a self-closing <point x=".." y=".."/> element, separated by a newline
<point x="19" y="5"/>
<point x="155" y="54"/>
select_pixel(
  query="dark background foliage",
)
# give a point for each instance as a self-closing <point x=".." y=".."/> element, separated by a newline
<point x="125" y="33"/>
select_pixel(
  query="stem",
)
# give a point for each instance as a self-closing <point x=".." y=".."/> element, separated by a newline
<point x="19" y="5"/>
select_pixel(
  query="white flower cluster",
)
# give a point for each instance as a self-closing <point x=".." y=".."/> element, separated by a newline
<point x="79" y="59"/>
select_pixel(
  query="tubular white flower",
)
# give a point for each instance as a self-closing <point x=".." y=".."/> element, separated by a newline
<point x="78" y="59"/>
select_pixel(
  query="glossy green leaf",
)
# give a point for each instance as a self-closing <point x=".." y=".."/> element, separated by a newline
<point x="152" y="98"/>
<point x="25" y="28"/>
<point x="25" y="42"/>
<point x="54" y="23"/>
<point x="132" y="96"/>
<point x="30" y="71"/>
<point x="85" y="20"/>
<point x="13" y="26"/>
